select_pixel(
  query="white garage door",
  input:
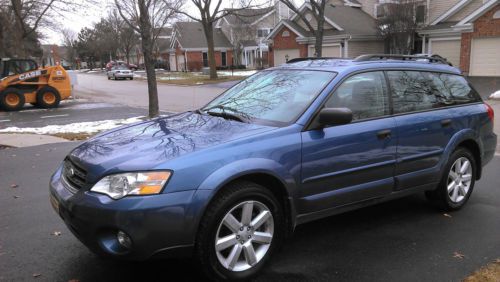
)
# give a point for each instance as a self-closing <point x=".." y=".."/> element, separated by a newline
<point x="485" y="57"/>
<point x="449" y="49"/>
<point x="173" y="65"/>
<point x="280" y="55"/>
<point x="328" y="51"/>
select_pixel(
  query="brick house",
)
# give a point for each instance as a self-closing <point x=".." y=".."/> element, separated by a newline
<point x="247" y="29"/>
<point x="189" y="51"/>
<point x="349" y="31"/>
<point x="467" y="32"/>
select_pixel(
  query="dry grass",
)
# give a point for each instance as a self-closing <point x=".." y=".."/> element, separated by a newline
<point x="488" y="273"/>
<point x="74" y="136"/>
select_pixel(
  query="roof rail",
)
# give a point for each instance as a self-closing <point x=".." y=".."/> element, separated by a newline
<point x="295" y="60"/>
<point x="379" y="57"/>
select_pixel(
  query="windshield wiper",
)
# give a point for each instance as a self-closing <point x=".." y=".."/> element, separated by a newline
<point x="227" y="115"/>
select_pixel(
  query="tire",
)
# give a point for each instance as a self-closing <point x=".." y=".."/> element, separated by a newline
<point x="48" y="97"/>
<point x="11" y="99"/>
<point x="461" y="184"/>
<point x="109" y="78"/>
<point x="232" y="200"/>
<point x="131" y="78"/>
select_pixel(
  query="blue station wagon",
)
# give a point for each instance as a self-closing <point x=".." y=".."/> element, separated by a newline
<point x="227" y="183"/>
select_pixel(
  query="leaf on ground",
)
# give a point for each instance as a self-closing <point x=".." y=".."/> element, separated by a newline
<point x="56" y="233"/>
<point x="447" y="215"/>
<point x="458" y="255"/>
<point x="36" y="275"/>
<point x="497" y="261"/>
<point x="16" y="197"/>
<point x="14" y="186"/>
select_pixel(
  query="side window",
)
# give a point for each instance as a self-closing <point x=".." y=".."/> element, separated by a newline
<point x="411" y="91"/>
<point x="365" y="94"/>
<point x="452" y="89"/>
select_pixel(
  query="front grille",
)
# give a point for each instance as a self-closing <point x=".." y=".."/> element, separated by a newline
<point x="74" y="176"/>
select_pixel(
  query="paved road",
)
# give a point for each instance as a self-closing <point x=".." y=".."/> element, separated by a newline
<point x="403" y="240"/>
<point x="134" y="93"/>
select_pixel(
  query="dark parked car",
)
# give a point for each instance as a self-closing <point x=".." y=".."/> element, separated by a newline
<point x="309" y="139"/>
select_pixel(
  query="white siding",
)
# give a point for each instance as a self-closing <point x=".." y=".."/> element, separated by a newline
<point x="465" y="11"/>
<point x="357" y="48"/>
<point x="439" y="7"/>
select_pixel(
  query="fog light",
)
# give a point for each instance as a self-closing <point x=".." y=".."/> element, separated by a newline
<point x="124" y="239"/>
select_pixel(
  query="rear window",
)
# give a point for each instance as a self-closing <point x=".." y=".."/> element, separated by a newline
<point x="416" y="91"/>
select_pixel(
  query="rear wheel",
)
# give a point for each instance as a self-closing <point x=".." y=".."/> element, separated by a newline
<point x="11" y="99"/>
<point x="457" y="183"/>
<point x="48" y="97"/>
<point x="241" y="229"/>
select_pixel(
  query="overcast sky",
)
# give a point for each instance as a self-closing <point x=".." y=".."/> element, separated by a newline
<point x="87" y="17"/>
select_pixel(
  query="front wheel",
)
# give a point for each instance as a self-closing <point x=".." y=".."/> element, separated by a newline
<point x="457" y="183"/>
<point x="242" y="227"/>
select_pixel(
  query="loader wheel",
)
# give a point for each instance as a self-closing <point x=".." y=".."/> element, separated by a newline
<point x="11" y="99"/>
<point x="48" y="97"/>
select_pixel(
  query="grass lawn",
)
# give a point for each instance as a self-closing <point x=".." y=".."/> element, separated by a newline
<point x="488" y="273"/>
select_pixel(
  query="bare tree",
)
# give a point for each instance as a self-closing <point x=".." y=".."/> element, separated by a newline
<point x="128" y="39"/>
<point x="148" y="17"/>
<point x="210" y="12"/>
<point x="318" y="13"/>
<point x="69" y="38"/>
<point x="400" y="23"/>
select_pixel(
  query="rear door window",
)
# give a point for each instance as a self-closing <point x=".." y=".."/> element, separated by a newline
<point x="411" y="91"/>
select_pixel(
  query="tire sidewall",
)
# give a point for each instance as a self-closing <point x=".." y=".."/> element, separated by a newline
<point x="7" y="107"/>
<point x="41" y="92"/>
<point x="254" y="192"/>
<point x="459" y="153"/>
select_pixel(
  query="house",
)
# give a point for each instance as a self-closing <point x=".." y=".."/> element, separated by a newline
<point x="467" y="33"/>
<point x="247" y="30"/>
<point x="349" y="31"/>
<point x="55" y="55"/>
<point x="189" y="51"/>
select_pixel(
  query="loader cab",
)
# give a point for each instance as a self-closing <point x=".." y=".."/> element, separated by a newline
<point x="10" y="67"/>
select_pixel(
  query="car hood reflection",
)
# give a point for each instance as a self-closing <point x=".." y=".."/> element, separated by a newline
<point x="156" y="141"/>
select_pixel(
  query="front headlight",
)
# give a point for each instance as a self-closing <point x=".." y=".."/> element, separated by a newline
<point x="132" y="183"/>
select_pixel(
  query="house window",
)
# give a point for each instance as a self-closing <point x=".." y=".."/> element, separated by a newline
<point x="263" y="32"/>
<point x="496" y="15"/>
<point x="205" y="59"/>
<point x="420" y="14"/>
<point x="224" y="58"/>
<point x="285" y="33"/>
<point x="379" y="11"/>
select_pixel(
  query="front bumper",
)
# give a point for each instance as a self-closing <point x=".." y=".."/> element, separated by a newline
<point x="124" y="75"/>
<point x="158" y="225"/>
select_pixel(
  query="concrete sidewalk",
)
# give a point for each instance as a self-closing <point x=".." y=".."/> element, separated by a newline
<point x="28" y="140"/>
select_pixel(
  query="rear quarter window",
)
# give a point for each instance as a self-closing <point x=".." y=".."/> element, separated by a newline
<point x="452" y="89"/>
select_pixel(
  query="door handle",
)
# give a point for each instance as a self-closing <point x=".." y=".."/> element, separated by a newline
<point x="445" y="122"/>
<point x="382" y="134"/>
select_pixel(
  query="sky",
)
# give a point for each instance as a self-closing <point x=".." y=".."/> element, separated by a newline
<point x="88" y="17"/>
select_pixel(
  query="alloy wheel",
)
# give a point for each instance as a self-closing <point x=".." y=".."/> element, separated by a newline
<point x="459" y="179"/>
<point x="241" y="244"/>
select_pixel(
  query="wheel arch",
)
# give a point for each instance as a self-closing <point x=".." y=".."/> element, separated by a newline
<point x="267" y="173"/>
<point x="468" y="139"/>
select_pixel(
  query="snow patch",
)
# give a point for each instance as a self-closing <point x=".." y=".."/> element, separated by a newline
<point x="495" y="95"/>
<point x="79" y="127"/>
<point x="237" y="73"/>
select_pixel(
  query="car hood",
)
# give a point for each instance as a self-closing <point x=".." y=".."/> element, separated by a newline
<point x="148" y="144"/>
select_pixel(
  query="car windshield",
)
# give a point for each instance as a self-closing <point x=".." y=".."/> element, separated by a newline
<point x="275" y="96"/>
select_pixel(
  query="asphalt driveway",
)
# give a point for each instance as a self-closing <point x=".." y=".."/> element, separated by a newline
<point x="403" y="240"/>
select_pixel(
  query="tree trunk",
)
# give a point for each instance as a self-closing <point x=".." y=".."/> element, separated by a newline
<point x="147" y="50"/>
<point x="318" y="44"/>
<point x="209" y="35"/>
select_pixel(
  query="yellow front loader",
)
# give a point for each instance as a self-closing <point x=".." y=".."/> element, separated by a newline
<point x="23" y="82"/>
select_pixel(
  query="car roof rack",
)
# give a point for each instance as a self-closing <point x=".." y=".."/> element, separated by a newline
<point x="380" y="57"/>
<point x="295" y="60"/>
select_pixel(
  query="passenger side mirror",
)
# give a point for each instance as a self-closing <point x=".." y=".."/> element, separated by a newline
<point x="335" y="116"/>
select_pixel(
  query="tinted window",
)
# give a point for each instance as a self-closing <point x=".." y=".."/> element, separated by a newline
<point x="364" y="94"/>
<point x="452" y="89"/>
<point x="276" y="96"/>
<point x="411" y="91"/>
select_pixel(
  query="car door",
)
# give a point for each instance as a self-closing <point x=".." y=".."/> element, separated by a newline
<point x="424" y="128"/>
<point x="353" y="162"/>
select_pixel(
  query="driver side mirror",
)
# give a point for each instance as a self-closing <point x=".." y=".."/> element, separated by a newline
<point x="335" y="116"/>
